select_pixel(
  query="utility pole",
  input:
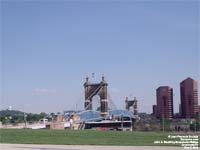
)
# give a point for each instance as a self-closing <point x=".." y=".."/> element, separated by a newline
<point x="6" y="121"/>
<point x="24" y="120"/>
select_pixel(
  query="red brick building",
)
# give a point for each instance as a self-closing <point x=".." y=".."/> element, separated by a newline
<point x="164" y="107"/>
<point x="189" y="98"/>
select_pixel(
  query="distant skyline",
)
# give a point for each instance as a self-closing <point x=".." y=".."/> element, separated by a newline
<point x="49" y="47"/>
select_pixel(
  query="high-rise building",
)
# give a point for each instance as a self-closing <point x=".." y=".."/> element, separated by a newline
<point x="199" y="109"/>
<point x="154" y="110"/>
<point x="164" y="107"/>
<point x="189" y="98"/>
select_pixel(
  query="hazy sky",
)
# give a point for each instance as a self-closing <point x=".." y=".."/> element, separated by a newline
<point x="48" y="47"/>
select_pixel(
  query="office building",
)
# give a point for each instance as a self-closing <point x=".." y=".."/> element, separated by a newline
<point x="164" y="107"/>
<point x="189" y="98"/>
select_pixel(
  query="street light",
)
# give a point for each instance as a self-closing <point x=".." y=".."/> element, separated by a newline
<point x="24" y="120"/>
<point x="6" y="121"/>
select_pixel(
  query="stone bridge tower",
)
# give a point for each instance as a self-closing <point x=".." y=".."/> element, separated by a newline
<point x="132" y="103"/>
<point x="92" y="89"/>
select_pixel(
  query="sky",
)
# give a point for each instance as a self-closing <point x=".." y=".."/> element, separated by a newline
<point x="49" y="47"/>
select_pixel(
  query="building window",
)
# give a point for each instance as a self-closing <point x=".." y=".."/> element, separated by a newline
<point x="189" y="100"/>
<point x="164" y="101"/>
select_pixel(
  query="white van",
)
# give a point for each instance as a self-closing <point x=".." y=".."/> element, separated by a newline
<point x="44" y="120"/>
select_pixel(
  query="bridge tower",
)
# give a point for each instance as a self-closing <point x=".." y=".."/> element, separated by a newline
<point x="132" y="103"/>
<point x="92" y="89"/>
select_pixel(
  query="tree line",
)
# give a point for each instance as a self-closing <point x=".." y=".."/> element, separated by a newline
<point x="14" y="116"/>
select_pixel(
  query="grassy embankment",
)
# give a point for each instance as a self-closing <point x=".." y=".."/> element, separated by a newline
<point x="84" y="137"/>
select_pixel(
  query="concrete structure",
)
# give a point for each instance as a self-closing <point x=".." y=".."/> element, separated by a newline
<point x="133" y="104"/>
<point x="164" y="107"/>
<point x="189" y="98"/>
<point x="60" y="118"/>
<point x="92" y="89"/>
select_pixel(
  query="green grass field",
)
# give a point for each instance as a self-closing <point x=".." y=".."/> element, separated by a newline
<point x="84" y="137"/>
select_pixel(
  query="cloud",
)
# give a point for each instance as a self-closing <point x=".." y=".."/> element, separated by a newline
<point x="43" y="91"/>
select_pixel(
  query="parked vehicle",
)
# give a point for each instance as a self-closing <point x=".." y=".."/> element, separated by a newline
<point x="44" y="120"/>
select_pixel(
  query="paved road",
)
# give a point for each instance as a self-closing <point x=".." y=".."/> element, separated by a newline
<point x="81" y="147"/>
